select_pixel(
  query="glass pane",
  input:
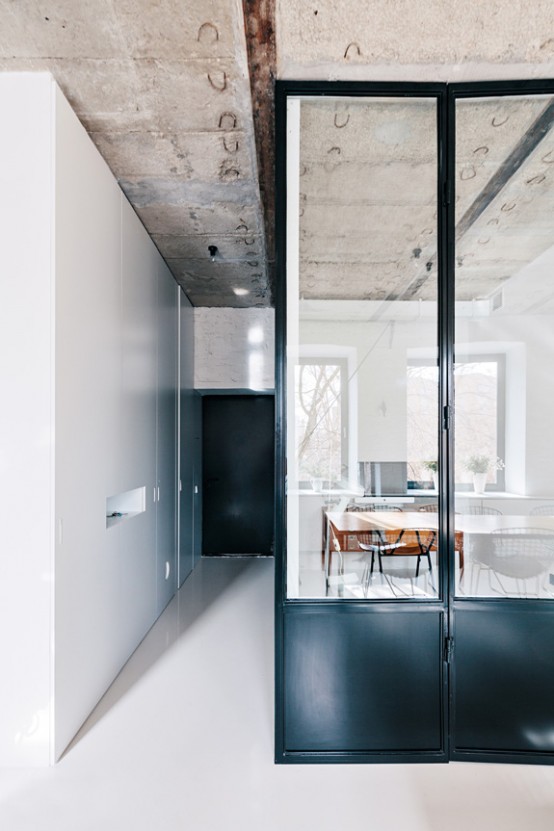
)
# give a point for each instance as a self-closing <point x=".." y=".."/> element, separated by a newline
<point x="504" y="339"/>
<point x="362" y="381"/>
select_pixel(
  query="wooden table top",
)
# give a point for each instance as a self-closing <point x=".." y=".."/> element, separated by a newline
<point x="359" y="522"/>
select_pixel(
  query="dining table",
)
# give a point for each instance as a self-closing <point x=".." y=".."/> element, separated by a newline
<point x="340" y="525"/>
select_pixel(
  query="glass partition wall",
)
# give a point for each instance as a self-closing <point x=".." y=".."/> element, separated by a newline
<point x="504" y="323"/>
<point x="362" y="377"/>
<point x="415" y="533"/>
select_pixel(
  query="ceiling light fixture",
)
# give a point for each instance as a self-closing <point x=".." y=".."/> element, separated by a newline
<point x="241" y="292"/>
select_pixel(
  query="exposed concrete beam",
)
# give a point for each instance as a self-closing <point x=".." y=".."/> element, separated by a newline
<point x="501" y="177"/>
<point x="507" y="170"/>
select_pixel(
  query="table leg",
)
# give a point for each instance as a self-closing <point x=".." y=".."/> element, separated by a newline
<point x="327" y="564"/>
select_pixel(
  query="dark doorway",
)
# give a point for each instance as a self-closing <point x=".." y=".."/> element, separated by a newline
<point x="238" y="474"/>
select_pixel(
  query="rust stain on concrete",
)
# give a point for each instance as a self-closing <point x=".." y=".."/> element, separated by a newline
<point x="260" y="39"/>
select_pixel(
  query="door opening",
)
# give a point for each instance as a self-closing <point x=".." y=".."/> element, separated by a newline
<point x="237" y="475"/>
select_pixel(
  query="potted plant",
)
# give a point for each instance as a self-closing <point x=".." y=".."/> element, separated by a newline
<point x="433" y="466"/>
<point x="479" y="465"/>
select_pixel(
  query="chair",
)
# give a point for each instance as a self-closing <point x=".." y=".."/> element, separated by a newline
<point x="386" y="507"/>
<point x="355" y="507"/>
<point x="408" y="543"/>
<point x="375" y="542"/>
<point x="432" y="508"/>
<point x="520" y="554"/>
<point x="543" y="510"/>
<point x="478" y="545"/>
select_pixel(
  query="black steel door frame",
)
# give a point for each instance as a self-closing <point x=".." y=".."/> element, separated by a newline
<point x="519" y="611"/>
<point x="446" y="96"/>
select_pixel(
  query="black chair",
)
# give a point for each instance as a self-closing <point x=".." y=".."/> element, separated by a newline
<point x="409" y="543"/>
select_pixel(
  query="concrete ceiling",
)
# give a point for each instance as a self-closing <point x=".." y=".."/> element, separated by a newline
<point x="163" y="88"/>
<point x="368" y="196"/>
<point x="368" y="215"/>
<point x="178" y="99"/>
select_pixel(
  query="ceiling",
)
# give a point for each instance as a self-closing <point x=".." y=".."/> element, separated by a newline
<point x="178" y="98"/>
<point x="163" y="88"/>
<point x="368" y="195"/>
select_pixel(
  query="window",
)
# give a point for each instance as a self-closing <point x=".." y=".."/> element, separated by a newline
<point x="321" y="419"/>
<point x="480" y="406"/>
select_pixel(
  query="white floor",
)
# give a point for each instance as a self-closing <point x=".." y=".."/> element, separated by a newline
<point x="183" y="741"/>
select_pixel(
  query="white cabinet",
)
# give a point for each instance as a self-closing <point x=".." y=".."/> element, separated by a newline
<point x="166" y="435"/>
<point x="187" y="440"/>
<point x="89" y="324"/>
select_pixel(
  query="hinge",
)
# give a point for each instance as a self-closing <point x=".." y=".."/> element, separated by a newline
<point x="447" y="192"/>
<point x="448" y="649"/>
<point x="446" y="417"/>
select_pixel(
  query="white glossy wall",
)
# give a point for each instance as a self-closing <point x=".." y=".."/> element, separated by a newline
<point x="26" y="424"/>
<point x="90" y="323"/>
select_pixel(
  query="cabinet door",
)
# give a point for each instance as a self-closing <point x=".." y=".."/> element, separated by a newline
<point x="187" y="439"/>
<point x="138" y="421"/>
<point x="166" y="434"/>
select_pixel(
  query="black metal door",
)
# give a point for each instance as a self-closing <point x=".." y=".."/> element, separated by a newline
<point x="237" y="474"/>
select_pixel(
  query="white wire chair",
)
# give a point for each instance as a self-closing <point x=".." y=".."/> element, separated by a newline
<point x="543" y="510"/>
<point x="483" y="510"/>
<point x="432" y="508"/>
<point x="521" y="554"/>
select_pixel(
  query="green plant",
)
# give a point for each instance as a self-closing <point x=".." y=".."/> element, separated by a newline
<point x="431" y="465"/>
<point x="482" y="464"/>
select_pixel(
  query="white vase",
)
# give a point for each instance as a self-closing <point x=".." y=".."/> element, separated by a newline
<point x="436" y="481"/>
<point x="479" y="482"/>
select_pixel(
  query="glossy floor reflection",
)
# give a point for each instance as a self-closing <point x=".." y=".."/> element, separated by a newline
<point x="184" y="740"/>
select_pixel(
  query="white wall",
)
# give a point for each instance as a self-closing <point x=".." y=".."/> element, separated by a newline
<point x="234" y="349"/>
<point x="90" y="319"/>
<point x="26" y="425"/>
